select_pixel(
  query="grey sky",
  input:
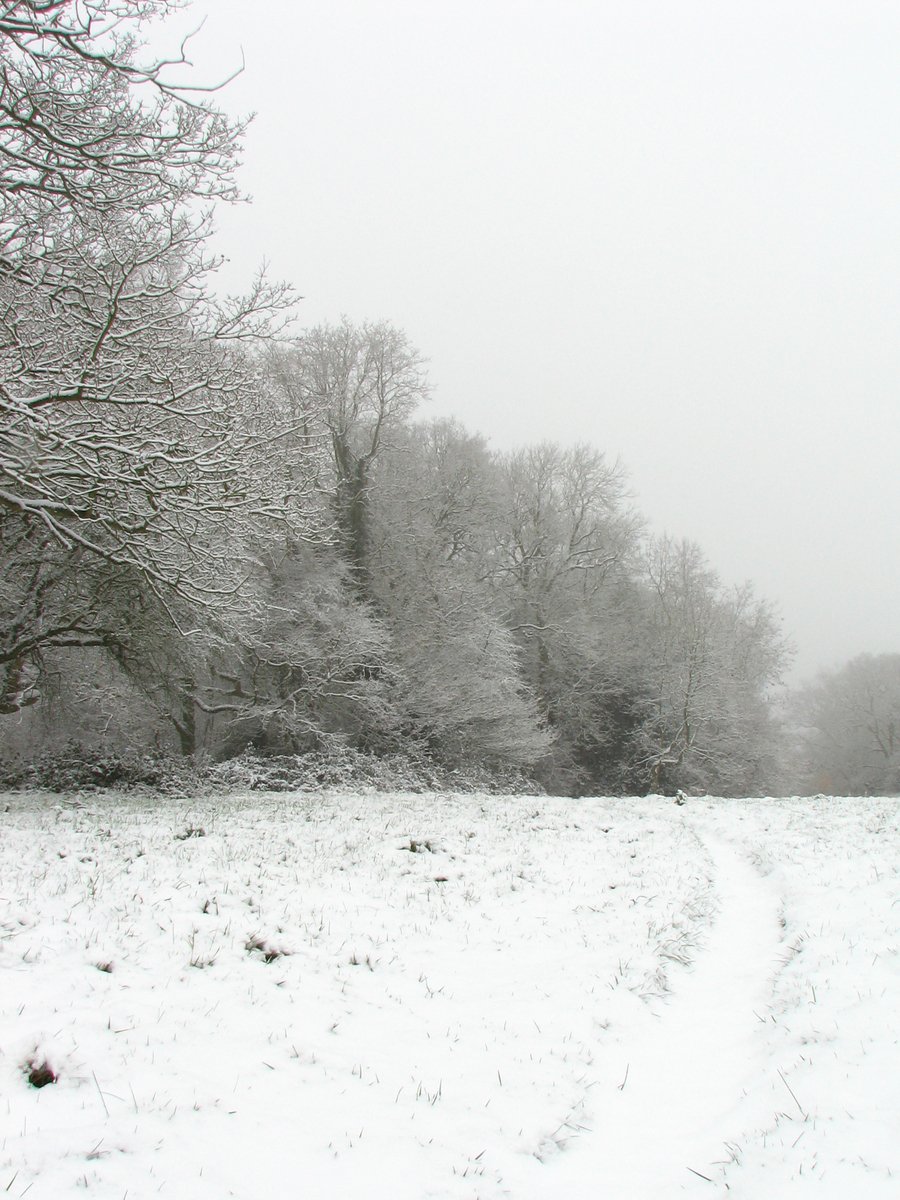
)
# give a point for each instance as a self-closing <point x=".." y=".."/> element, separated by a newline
<point x="669" y="229"/>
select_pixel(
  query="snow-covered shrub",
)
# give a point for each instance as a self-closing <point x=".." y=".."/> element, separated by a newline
<point x="75" y="767"/>
<point x="355" y="769"/>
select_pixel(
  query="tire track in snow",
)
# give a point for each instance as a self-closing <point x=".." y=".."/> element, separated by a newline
<point x="686" y="1075"/>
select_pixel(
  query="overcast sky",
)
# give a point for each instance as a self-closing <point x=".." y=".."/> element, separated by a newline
<point x="668" y="229"/>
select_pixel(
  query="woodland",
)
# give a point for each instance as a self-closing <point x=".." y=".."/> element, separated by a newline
<point x="224" y="540"/>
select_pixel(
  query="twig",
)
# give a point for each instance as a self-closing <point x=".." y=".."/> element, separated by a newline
<point x="625" y="1080"/>
<point x="791" y="1090"/>
<point x="100" y="1094"/>
<point x="697" y="1173"/>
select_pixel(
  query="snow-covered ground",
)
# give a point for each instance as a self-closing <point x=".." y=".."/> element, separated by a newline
<point x="403" y="997"/>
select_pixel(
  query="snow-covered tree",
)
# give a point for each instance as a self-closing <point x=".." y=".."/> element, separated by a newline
<point x="362" y="382"/>
<point x="131" y="453"/>
<point x="310" y="667"/>
<point x="433" y="507"/>
<point x="124" y="402"/>
<point x="713" y="655"/>
<point x="850" y="724"/>
<point x="91" y="122"/>
<point x="565" y="539"/>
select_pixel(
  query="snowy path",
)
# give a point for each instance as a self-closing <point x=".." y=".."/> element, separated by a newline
<point x="451" y="1022"/>
<point x="674" y="1104"/>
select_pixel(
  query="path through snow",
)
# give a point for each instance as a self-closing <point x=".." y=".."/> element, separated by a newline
<point x="454" y="990"/>
<point x="674" y="1105"/>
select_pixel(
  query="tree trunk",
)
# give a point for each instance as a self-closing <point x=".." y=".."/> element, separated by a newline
<point x="352" y="503"/>
<point x="13" y="696"/>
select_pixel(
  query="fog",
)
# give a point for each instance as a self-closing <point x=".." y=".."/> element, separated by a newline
<point x="668" y="230"/>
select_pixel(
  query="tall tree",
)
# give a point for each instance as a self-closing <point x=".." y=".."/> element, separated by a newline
<point x="434" y="503"/>
<point x="714" y="654"/>
<point x="128" y="452"/>
<point x="560" y="567"/>
<point x="364" y="382"/>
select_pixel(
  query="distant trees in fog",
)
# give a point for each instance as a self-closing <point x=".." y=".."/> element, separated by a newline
<point x="215" y="537"/>
<point x="849" y="728"/>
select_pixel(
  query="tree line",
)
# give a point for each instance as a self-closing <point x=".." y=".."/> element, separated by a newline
<point x="216" y="536"/>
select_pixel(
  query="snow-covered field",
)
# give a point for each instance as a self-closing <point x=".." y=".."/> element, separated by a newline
<point x="403" y="997"/>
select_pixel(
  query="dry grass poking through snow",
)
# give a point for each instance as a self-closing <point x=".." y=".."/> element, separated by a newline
<point x="830" y="1105"/>
<point x="411" y="996"/>
<point x="361" y="991"/>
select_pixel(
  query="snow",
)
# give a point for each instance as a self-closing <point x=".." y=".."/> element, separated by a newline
<point x="706" y="1038"/>
<point x="408" y="996"/>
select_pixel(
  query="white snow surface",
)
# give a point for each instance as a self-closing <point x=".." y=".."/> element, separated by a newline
<point x="399" y="997"/>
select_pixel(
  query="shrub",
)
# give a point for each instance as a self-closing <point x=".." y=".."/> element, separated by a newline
<point x="75" y="767"/>
<point x="354" y="770"/>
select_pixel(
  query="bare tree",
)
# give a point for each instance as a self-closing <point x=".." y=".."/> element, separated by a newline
<point x="364" y="381"/>
<point x="713" y="655"/>
<point x="433" y="505"/>
<point x="851" y="728"/>
<point x="134" y="451"/>
<point x="565" y="542"/>
<point x="90" y="122"/>
<point x="125" y="399"/>
<point x="437" y="501"/>
<point x="565" y="518"/>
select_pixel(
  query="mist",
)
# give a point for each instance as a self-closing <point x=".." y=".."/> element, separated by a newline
<point x="669" y="232"/>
